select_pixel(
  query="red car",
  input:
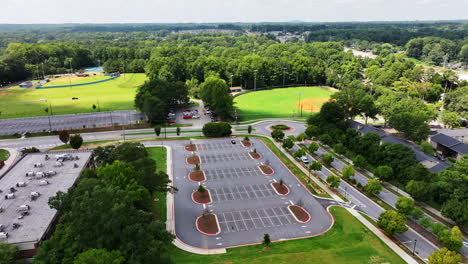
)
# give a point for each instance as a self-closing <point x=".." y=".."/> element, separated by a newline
<point x="187" y="116"/>
<point x="171" y="121"/>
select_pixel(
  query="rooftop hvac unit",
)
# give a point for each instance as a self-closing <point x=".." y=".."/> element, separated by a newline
<point x="23" y="208"/>
<point x="30" y="174"/>
<point x="3" y="235"/>
<point x="10" y="196"/>
<point x="21" y="184"/>
<point x="43" y="182"/>
<point x="38" y="165"/>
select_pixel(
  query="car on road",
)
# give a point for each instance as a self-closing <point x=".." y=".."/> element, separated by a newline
<point x="233" y="142"/>
<point x="305" y="160"/>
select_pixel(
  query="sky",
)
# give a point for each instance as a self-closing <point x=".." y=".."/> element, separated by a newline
<point x="180" y="11"/>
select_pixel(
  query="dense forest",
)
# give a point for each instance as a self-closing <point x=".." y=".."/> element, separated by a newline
<point x="27" y="51"/>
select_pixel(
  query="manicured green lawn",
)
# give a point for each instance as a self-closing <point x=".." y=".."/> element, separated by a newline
<point x="117" y="94"/>
<point x="278" y="103"/>
<point x="4" y="154"/>
<point x="160" y="156"/>
<point x="347" y="242"/>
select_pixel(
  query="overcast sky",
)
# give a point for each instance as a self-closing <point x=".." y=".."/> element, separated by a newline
<point x="171" y="11"/>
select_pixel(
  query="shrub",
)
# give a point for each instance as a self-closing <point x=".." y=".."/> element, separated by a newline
<point x="246" y="138"/>
<point x="427" y="148"/>
<point x="201" y="189"/>
<point x="425" y="222"/>
<point x="64" y="136"/>
<point x="277" y="135"/>
<point x="328" y="158"/>
<point x="288" y="143"/>
<point x="76" y="141"/>
<point x="220" y="129"/>
<point x="280" y="127"/>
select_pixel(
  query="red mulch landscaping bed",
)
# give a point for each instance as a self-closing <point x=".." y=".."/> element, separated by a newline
<point x="208" y="224"/>
<point x="194" y="160"/>
<point x="281" y="188"/>
<point x="255" y="155"/>
<point x="197" y="176"/>
<point x="200" y="197"/>
<point x="246" y="143"/>
<point x="300" y="213"/>
<point x="266" y="169"/>
<point x="191" y="147"/>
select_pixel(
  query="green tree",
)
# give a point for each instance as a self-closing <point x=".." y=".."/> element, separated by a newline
<point x="444" y="256"/>
<point x="426" y="147"/>
<point x="249" y="129"/>
<point x="313" y="147"/>
<point x="178" y="131"/>
<point x="277" y="135"/>
<point x="417" y="189"/>
<point x="99" y="256"/>
<point x="333" y="180"/>
<point x="217" y="129"/>
<point x="384" y="172"/>
<point x="312" y="131"/>
<point x="76" y="141"/>
<point x="457" y="210"/>
<point x="266" y="240"/>
<point x="450" y="119"/>
<point x="373" y="187"/>
<point x="64" y="136"/>
<point x="392" y="222"/>
<point x="157" y="130"/>
<point x="463" y="55"/>
<point x="288" y="143"/>
<point x="348" y="172"/>
<point x="404" y="205"/>
<point x="214" y="92"/>
<point x="453" y="239"/>
<point x="359" y="161"/>
<point x="7" y="253"/>
<point x="328" y="158"/>
<point x="315" y="166"/>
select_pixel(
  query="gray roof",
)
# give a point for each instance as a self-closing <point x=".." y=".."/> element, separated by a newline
<point x="454" y="132"/>
<point x="461" y="148"/>
<point x="34" y="226"/>
<point x="445" y="140"/>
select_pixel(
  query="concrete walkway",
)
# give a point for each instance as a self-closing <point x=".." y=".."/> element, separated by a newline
<point x="14" y="156"/>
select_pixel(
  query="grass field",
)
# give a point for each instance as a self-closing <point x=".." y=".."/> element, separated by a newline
<point x="117" y="94"/>
<point x="347" y="242"/>
<point x="4" y="154"/>
<point x="284" y="102"/>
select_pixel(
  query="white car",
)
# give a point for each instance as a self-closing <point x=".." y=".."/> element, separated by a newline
<point x="305" y="159"/>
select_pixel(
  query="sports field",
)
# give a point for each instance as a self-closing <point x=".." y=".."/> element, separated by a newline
<point x="285" y="102"/>
<point x="117" y="94"/>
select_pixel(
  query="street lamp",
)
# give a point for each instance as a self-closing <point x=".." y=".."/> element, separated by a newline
<point x="414" y="248"/>
<point x="299" y="104"/>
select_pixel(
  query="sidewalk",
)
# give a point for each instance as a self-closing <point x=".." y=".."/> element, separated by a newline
<point x="364" y="221"/>
<point x="14" y="155"/>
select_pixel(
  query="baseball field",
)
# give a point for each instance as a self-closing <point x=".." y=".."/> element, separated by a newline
<point x="282" y="103"/>
<point x="117" y="94"/>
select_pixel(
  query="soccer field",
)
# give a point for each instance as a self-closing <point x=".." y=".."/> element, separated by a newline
<point x="285" y="102"/>
<point x="117" y="94"/>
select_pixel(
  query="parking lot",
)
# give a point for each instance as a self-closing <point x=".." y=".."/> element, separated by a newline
<point x="243" y="198"/>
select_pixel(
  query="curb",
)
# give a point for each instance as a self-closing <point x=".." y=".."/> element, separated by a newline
<point x="211" y="200"/>
<point x="299" y="221"/>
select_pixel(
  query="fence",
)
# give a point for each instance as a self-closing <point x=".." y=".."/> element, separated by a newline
<point x="78" y="84"/>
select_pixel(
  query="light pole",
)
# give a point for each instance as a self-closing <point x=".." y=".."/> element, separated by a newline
<point x="414" y="248"/>
<point x="255" y="80"/>
<point x="299" y="104"/>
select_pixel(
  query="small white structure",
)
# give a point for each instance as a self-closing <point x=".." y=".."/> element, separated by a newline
<point x="21" y="184"/>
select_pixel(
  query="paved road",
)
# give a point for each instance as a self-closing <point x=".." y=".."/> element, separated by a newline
<point x="423" y="247"/>
<point x="63" y="122"/>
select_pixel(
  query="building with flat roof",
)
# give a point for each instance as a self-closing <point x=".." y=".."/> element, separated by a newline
<point x="25" y="216"/>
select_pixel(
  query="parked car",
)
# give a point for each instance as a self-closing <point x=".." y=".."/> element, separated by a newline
<point x="305" y="159"/>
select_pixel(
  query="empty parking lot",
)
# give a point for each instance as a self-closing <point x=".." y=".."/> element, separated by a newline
<point x="243" y="198"/>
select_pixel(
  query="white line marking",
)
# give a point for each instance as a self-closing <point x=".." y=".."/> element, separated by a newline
<point x="291" y="202"/>
<point x="307" y="232"/>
